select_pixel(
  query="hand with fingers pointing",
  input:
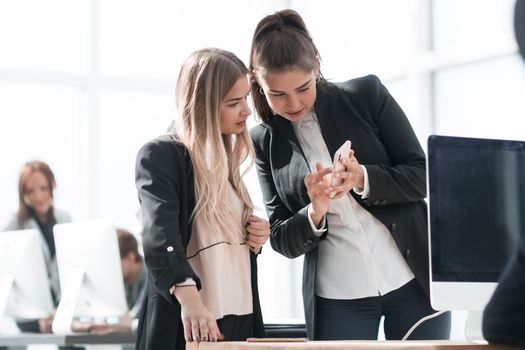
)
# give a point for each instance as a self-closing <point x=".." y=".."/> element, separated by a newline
<point x="199" y="324"/>
<point x="318" y="190"/>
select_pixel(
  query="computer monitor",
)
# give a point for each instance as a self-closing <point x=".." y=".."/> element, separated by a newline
<point x="90" y="273"/>
<point x="476" y="193"/>
<point x="25" y="291"/>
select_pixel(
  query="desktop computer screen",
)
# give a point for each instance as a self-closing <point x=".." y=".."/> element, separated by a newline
<point x="476" y="191"/>
<point x="90" y="273"/>
<point x="25" y="292"/>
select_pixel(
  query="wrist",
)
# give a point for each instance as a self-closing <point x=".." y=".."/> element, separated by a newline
<point x="316" y="217"/>
<point x="187" y="295"/>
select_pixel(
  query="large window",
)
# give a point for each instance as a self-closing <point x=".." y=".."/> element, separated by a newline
<point x="83" y="84"/>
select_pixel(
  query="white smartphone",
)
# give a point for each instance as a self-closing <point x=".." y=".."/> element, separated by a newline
<point x="342" y="153"/>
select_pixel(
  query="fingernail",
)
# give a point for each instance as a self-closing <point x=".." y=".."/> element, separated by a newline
<point x="188" y="338"/>
<point x="204" y="339"/>
<point x="197" y="339"/>
<point x="213" y="340"/>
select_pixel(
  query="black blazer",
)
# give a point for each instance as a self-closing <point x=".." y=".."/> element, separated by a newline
<point x="164" y="180"/>
<point x="504" y="316"/>
<point x="362" y="111"/>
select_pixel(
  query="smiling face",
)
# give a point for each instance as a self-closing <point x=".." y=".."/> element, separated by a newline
<point x="290" y="93"/>
<point x="37" y="194"/>
<point x="234" y="109"/>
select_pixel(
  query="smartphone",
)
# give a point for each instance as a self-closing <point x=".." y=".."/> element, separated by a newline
<point x="342" y="153"/>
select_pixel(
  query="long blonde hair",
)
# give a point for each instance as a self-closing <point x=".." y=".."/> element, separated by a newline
<point x="204" y="80"/>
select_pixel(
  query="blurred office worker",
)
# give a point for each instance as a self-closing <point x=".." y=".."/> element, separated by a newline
<point x="504" y="316"/>
<point x="133" y="270"/>
<point x="36" y="211"/>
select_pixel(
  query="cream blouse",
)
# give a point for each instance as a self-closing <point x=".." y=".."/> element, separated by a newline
<point x="222" y="263"/>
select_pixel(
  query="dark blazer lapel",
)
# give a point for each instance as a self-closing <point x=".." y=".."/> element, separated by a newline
<point x="290" y="165"/>
<point x="335" y="128"/>
<point x="286" y="126"/>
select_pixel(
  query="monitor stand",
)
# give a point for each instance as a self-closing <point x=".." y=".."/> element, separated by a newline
<point x="68" y="302"/>
<point x="473" y="324"/>
<point x="6" y="283"/>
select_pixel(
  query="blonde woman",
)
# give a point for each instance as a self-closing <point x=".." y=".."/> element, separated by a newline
<point x="200" y="239"/>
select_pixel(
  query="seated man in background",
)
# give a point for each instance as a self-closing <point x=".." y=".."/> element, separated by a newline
<point x="135" y="278"/>
<point x="133" y="270"/>
<point x="504" y="316"/>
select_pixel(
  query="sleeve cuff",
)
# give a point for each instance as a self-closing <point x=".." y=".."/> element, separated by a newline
<point x="187" y="282"/>
<point x="365" y="191"/>
<point x="317" y="231"/>
<point x="134" y="325"/>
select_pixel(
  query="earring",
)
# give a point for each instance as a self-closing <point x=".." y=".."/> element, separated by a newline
<point x="261" y="91"/>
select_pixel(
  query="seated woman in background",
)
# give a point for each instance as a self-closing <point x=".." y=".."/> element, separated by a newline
<point x="36" y="211"/>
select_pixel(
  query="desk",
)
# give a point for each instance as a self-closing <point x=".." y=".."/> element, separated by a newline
<point x="21" y="341"/>
<point x="348" y="345"/>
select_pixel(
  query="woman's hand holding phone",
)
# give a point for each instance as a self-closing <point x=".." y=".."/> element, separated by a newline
<point x="347" y="173"/>
<point x="342" y="153"/>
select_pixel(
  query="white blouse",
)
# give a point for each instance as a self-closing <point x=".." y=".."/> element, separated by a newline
<point x="359" y="257"/>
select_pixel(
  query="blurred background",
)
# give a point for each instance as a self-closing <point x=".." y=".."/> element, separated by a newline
<point x="84" y="83"/>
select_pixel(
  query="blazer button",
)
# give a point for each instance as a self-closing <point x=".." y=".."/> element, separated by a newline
<point x="169" y="249"/>
<point x="383" y="202"/>
<point x="309" y="241"/>
<point x="408" y="253"/>
<point x="393" y="227"/>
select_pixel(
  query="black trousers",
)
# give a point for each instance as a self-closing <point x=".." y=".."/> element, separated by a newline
<point x="358" y="319"/>
<point x="236" y="328"/>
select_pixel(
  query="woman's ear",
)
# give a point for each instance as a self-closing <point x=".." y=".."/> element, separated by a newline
<point x="254" y="78"/>
<point x="27" y="202"/>
<point x="317" y="66"/>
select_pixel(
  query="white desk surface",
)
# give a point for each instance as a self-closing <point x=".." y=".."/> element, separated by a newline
<point x="349" y="345"/>
<point x="24" y="339"/>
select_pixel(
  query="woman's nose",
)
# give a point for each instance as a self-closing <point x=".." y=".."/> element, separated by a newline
<point x="293" y="103"/>
<point x="246" y="110"/>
